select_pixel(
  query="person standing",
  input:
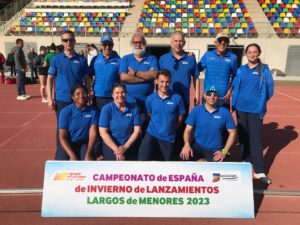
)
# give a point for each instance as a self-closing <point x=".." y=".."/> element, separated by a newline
<point x="39" y="63"/>
<point x="139" y="70"/>
<point x="33" y="70"/>
<point x="183" y="68"/>
<point x="166" y="110"/>
<point x="49" y="55"/>
<point x="205" y="124"/>
<point x="253" y="87"/>
<point x="220" y="67"/>
<point x="2" y="63"/>
<point x="10" y="61"/>
<point x="21" y="65"/>
<point x="66" y="70"/>
<point x="105" y="67"/>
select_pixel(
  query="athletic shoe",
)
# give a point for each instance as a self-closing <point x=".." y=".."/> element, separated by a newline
<point x="26" y="96"/>
<point x="21" y="97"/>
<point x="44" y="100"/>
<point x="262" y="178"/>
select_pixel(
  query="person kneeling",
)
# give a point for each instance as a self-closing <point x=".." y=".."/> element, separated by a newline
<point x="207" y="122"/>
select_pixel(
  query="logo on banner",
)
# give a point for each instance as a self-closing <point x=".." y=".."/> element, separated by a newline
<point x="225" y="177"/>
<point x="68" y="176"/>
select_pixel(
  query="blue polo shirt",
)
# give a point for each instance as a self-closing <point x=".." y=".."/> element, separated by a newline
<point x="120" y="124"/>
<point x="139" y="91"/>
<point x="68" y="72"/>
<point x="209" y="127"/>
<point x="164" y="113"/>
<point x="249" y="90"/>
<point x="181" y="70"/>
<point x="106" y="73"/>
<point x="219" y="70"/>
<point x="78" y="122"/>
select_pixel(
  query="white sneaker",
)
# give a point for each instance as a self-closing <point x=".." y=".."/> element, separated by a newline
<point x="26" y="96"/>
<point x="263" y="178"/>
<point x="44" y="100"/>
<point x="21" y="97"/>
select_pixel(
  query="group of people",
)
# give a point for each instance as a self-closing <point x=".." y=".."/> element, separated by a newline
<point x="137" y="108"/>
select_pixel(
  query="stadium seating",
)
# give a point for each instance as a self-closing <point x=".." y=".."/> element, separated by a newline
<point x="83" y="22"/>
<point x="283" y="15"/>
<point x="196" y="17"/>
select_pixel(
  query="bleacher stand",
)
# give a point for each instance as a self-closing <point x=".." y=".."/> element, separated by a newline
<point x="52" y="18"/>
<point x="284" y="15"/>
<point x="196" y="17"/>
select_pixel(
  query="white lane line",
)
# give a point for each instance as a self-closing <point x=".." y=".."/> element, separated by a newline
<point x="291" y="97"/>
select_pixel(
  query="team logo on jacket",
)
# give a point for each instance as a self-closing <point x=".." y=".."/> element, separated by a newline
<point x="227" y="60"/>
<point x="76" y="61"/>
<point x="147" y="63"/>
<point x="185" y="62"/>
<point x="88" y="116"/>
<point x="170" y="103"/>
<point x="217" y="117"/>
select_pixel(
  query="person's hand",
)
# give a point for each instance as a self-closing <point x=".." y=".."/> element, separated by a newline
<point x="88" y="157"/>
<point x="219" y="156"/>
<point x="120" y="157"/>
<point x="73" y="157"/>
<point x="228" y="94"/>
<point x="130" y="72"/>
<point x="186" y="152"/>
<point x="123" y="148"/>
<point x="51" y="104"/>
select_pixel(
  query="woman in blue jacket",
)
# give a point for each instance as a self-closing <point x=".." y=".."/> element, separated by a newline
<point x="252" y="88"/>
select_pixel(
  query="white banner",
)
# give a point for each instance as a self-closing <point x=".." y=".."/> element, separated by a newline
<point x="147" y="189"/>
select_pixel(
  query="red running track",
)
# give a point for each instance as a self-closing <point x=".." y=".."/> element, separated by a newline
<point x="27" y="140"/>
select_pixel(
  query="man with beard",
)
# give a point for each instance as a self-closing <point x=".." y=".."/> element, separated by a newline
<point x="138" y="70"/>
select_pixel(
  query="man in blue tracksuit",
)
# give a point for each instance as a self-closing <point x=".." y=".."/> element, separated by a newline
<point x="220" y="67"/>
<point x="105" y="67"/>
<point x="166" y="110"/>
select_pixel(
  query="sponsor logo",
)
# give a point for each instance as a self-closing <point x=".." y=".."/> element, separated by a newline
<point x="217" y="117"/>
<point x="128" y="114"/>
<point x="147" y="63"/>
<point x="231" y="176"/>
<point x="88" y="116"/>
<point x="76" y="61"/>
<point x="68" y="176"/>
<point x="216" y="177"/>
<point x="185" y="62"/>
<point x="170" y="103"/>
<point x="227" y="60"/>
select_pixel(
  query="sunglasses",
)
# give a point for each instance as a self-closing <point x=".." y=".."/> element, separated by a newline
<point x="212" y="94"/>
<point x="226" y="40"/>
<point x="176" y="65"/>
<point x="107" y="44"/>
<point x="137" y="43"/>
<point x="71" y="40"/>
